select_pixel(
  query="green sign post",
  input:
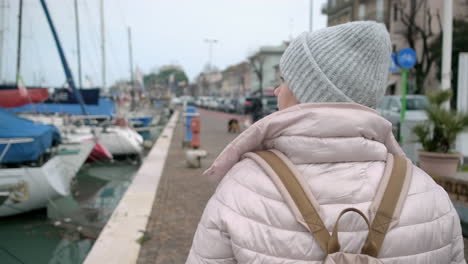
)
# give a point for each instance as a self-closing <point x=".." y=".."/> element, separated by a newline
<point x="406" y="59"/>
<point x="404" y="91"/>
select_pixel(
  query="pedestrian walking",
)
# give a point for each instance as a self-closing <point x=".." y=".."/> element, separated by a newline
<point x="330" y="153"/>
<point x="257" y="110"/>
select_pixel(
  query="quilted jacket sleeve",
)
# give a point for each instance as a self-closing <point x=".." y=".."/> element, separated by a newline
<point x="457" y="242"/>
<point x="211" y="244"/>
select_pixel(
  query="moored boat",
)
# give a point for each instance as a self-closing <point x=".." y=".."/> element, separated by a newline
<point x="34" y="167"/>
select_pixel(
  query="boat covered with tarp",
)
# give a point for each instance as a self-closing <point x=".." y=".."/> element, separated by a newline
<point x="34" y="168"/>
<point x="41" y="137"/>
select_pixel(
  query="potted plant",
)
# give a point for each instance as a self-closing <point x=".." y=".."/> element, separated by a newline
<point x="438" y="135"/>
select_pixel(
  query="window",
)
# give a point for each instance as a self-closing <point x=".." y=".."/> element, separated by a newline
<point x="392" y="89"/>
<point x="418" y="103"/>
<point x="379" y="16"/>
<point x="362" y="12"/>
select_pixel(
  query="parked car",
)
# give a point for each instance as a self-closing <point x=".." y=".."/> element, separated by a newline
<point x="205" y="102"/>
<point x="224" y="104"/>
<point x="239" y="105"/>
<point x="248" y="104"/>
<point x="186" y="99"/>
<point x="212" y="103"/>
<point x="270" y="105"/>
<point x="231" y="105"/>
<point x="176" y="101"/>
<point x="390" y="109"/>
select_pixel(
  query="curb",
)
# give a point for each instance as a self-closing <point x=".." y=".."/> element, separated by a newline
<point x="120" y="240"/>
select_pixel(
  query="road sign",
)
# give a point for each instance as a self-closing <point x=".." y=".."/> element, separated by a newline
<point x="406" y="58"/>
<point x="393" y="64"/>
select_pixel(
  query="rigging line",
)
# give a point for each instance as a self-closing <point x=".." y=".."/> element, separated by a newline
<point x="37" y="53"/>
<point x="73" y="50"/>
<point x="111" y="69"/>
<point x="90" y="69"/>
<point x="92" y="30"/>
<point x="11" y="254"/>
<point x="92" y="26"/>
<point x="6" y="55"/>
<point x="122" y="14"/>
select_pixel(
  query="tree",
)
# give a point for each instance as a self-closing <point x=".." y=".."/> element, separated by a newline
<point x="459" y="44"/>
<point x="417" y="29"/>
<point x="257" y="61"/>
<point x="163" y="78"/>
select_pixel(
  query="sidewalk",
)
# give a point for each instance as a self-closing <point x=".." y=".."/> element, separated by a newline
<point x="183" y="194"/>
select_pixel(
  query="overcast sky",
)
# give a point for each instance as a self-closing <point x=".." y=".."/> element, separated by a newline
<point x="163" y="31"/>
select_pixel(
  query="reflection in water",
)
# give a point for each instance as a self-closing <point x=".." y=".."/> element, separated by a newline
<point x="66" y="231"/>
<point x="71" y="250"/>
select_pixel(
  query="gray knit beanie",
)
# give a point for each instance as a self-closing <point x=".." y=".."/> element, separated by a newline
<point x="345" y="63"/>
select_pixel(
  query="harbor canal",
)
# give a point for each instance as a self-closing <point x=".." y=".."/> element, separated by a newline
<point x="66" y="231"/>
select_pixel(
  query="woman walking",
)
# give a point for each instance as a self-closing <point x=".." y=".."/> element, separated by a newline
<point x="330" y="134"/>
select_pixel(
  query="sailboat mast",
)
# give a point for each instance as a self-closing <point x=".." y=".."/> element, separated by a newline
<point x="130" y="55"/>
<point x="78" y="46"/>
<point x="103" y="47"/>
<point x="2" y="36"/>
<point x="66" y="68"/>
<point x="18" y="52"/>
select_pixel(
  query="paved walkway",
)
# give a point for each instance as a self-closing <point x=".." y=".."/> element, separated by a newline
<point x="183" y="194"/>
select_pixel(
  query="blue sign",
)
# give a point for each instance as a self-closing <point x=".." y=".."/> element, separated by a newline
<point x="188" y="122"/>
<point x="394" y="64"/>
<point x="406" y="58"/>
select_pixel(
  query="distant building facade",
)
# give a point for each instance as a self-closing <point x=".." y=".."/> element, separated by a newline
<point x="429" y="18"/>
<point x="342" y="11"/>
<point x="209" y="83"/>
<point x="236" y="80"/>
<point x="264" y="66"/>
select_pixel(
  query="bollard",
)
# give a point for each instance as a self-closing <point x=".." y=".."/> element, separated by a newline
<point x="189" y="113"/>
<point x="194" y="156"/>
<point x="195" y="127"/>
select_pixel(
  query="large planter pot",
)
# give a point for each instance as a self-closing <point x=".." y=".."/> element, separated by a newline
<point x="439" y="164"/>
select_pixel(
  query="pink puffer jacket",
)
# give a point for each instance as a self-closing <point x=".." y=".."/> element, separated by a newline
<point x="341" y="151"/>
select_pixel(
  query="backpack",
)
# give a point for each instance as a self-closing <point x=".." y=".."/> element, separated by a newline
<point x="300" y="200"/>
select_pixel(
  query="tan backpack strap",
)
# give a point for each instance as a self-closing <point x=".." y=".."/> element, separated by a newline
<point x="334" y="243"/>
<point x="298" y="195"/>
<point x="386" y="209"/>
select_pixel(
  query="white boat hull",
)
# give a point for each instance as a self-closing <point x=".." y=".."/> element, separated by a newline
<point x="117" y="140"/>
<point x="121" y="141"/>
<point x="44" y="183"/>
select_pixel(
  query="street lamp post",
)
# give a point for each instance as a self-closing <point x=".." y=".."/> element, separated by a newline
<point x="311" y="16"/>
<point x="447" y="46"/>
<point x="210" y="42"/>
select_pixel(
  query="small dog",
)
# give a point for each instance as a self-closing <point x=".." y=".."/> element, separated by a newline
<point x="233" y="126"/>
